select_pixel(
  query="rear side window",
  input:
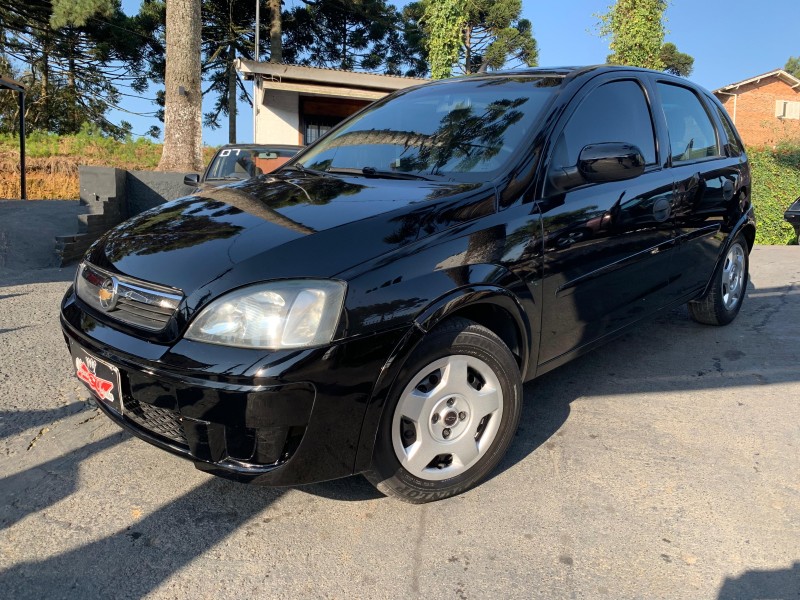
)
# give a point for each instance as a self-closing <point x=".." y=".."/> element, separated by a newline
<point x="734" y="144"/>
<point x="614" y="112"/>
<point x="691" y="133"/>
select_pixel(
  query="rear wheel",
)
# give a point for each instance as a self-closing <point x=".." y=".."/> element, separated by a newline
<point x="723" y="301"/>
<point x="452" y="417"/>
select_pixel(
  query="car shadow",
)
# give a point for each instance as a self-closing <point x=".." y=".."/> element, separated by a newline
<point x="14" y="422"/>
<point x="348" y="489"/>
<point x="37" y="488"/>
<point x="139" y="558"/>
<point x="780" y="583"/>
<point x="635" y="363"/>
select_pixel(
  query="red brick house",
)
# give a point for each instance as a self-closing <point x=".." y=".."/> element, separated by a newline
<point x="765" y="108"/>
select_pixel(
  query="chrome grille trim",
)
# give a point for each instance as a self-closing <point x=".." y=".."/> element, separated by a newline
<point x="141" y="304"/>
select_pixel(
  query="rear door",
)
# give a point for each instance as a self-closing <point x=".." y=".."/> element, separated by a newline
<point x="707" y="168"/>
<point x="607" y="245"/>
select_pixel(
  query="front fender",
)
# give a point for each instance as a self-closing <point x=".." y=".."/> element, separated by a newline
<point x="454" y="302"/>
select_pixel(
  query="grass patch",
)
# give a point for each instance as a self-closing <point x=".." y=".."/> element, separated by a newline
<point x="776" y="184"/>
<point x="52" y="161"/>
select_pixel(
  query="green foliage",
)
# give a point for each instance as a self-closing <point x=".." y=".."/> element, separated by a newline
<point x="72" y="73"/>
<point x="88" y="142"/>
<point x="228" y="27"/>
<point x="636" y="29"/>
<point x="363" y="35"/>
<point x="475" y="36"/>
<point x="793" y="66"/>
<point x="776" y="184"/>
<point x="444" y="22"/>
<point x="77" y="12"/>
<point x="676" y="62"/>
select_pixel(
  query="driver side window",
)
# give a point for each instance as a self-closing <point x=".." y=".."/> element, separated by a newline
<point x="614" y="112"/>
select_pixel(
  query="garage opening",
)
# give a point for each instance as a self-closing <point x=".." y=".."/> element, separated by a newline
<point x="319" y="114"/>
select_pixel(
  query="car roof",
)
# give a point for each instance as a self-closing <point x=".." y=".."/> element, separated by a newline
<point x="567" y="72"/>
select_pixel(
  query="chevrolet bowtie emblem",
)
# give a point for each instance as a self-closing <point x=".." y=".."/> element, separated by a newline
<point x="107" y="294"/>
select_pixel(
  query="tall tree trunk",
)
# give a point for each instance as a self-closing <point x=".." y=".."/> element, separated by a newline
<point x="467" y="49"/>
<point x="232" y="83"/>
<point x="275" y="42"/>
<point x="74" y="118"/>
<point x="183" y="106"/>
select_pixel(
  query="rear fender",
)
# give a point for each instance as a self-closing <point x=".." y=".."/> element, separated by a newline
<point x="745" y="225"/>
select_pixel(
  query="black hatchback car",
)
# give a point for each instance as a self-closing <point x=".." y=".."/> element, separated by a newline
<point x="376" y="305"/>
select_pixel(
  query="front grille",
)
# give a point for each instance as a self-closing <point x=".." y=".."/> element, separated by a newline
<point x="164" y="422"/>
<point x="138" y="303"/>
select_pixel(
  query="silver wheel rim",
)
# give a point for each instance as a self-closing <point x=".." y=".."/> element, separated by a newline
<point x="447" y="417"/>
<point x="733" y="277"/>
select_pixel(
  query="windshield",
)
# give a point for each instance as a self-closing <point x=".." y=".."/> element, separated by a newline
<point x="243" y="163"/>
<point x="465" y="130"/>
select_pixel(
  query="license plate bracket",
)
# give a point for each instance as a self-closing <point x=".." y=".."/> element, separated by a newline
<point x="100" y="377"/>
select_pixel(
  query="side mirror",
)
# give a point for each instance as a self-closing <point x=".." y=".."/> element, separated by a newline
<point x="192" y="180"/>
<point x="612" y="161"/>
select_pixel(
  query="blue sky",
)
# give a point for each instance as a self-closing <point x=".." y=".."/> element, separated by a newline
<point x="730" y="41"/>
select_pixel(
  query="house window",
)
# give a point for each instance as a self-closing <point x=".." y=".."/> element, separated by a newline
<point x="786" y="109"/>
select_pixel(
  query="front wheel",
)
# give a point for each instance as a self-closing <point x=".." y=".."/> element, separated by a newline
<point x="456" y="412"/>
<point x="723" y="301"/>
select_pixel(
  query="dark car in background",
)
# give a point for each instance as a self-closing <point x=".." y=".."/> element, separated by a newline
<point x="376" y="304"/>
<point x="235" y="162"/>
<point x="792" y="216"/>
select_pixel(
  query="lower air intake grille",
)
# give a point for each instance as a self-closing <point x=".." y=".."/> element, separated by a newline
<point x="161" y="421"/>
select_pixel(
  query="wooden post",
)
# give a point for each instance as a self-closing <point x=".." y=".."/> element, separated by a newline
<point x="22" y="191"/>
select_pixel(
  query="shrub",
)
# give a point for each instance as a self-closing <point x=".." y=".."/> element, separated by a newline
<point x="776" y="184"/>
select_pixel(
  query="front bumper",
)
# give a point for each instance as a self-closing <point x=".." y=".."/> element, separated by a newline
<point x="273" y="418"/>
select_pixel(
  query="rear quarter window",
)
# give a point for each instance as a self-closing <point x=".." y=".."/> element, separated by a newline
<point x="734" y="144"/>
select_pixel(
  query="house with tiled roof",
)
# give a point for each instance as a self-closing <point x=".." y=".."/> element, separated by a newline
<point x="765" y="108"/>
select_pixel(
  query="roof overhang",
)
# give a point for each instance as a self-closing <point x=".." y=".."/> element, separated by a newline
<point x="10" y="84"/>
<point x="312" y="80"/>
<point x="784" y="76"/>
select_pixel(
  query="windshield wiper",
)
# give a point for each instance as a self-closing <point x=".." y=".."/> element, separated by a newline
<point x="379" y="174"/>
<point x="226" y="178"/>
<point x="301" y="168"/>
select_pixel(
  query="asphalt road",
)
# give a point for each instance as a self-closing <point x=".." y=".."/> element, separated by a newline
<point x="664" y="465"/>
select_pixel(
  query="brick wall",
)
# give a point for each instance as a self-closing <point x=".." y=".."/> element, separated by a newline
<point x="755" y="112"/>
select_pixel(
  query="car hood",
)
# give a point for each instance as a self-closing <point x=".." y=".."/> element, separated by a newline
<point x="278" y="226"/>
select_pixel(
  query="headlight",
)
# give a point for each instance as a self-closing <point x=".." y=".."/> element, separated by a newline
<point x="282" y="314"/>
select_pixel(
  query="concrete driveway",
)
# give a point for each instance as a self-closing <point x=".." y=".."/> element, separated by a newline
<point x="664" y="465"/>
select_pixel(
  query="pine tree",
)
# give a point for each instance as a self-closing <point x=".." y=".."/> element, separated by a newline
<point x="228" y="27"/>
<point x="73" y="73"/>
<point x="363" y="35"/>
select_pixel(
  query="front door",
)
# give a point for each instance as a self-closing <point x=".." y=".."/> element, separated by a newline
<point x="607" y="245"/>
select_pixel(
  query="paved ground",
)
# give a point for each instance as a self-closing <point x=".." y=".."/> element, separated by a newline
<point x="27" y="233"/>
<point x="665" y="465"/>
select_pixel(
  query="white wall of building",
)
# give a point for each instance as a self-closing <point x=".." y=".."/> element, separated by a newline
<point x="278" y="120"/>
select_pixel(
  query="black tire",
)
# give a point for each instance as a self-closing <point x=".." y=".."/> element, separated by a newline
<point x="724" y="300"/>
<point x="460" y="353"/>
